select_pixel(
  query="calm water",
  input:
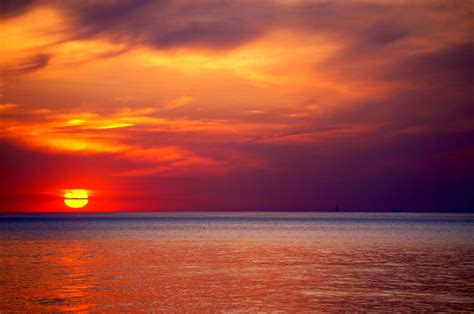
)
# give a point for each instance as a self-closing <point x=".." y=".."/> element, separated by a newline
<point x="290" y="262"/>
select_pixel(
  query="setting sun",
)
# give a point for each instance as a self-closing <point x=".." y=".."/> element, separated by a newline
<point x="76" y="198"/>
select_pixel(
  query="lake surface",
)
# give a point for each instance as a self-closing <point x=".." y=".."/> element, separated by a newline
<point x="221" y="262"/>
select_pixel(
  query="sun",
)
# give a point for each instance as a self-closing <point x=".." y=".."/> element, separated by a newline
<point x="76" y="198"/>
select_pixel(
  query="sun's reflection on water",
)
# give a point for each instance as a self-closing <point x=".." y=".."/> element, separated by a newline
<point x="224" y="269"/>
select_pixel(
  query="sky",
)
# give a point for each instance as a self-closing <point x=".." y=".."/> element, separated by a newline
<point x="237" y="105"/>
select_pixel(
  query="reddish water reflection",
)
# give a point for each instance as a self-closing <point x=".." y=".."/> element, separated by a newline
<point x="266" y="268"/>
<point x="128" y="275"/>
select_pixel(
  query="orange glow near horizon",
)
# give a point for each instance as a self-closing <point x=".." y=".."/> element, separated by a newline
<point x="76" y="198"/>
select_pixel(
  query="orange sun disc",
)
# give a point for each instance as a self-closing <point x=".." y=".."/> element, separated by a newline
<point x="76" y="198"/>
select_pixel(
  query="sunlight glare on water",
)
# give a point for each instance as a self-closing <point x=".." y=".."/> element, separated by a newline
<point x="291" y="262"/>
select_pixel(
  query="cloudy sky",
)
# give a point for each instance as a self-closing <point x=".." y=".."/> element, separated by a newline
<point x="237" y="105"/>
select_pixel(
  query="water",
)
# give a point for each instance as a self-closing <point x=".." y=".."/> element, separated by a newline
<point x="195" y="262"/>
